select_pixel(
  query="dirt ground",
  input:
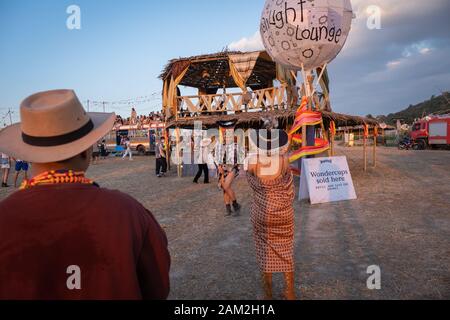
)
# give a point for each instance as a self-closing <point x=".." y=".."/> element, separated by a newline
<point x="400" y="222"/>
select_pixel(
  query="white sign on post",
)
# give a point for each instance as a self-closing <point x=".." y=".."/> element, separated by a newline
<point x="326" y="180"/>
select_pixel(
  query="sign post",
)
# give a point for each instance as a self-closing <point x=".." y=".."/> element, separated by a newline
<point x="326" y="180"/>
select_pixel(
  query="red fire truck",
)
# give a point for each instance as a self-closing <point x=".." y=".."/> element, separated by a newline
<point x="432" y="132"/>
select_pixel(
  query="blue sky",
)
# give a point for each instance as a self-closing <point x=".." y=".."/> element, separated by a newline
<point x="123" y="45"/>
<point x="120" y="50"/>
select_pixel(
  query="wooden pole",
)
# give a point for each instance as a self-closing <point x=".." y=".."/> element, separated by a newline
<point x="305" y="91"/>
<point x="177" y="133"/>
<point x="374" y="149"/>
<point x="365" y="153"/>
<point x="332" y="143"/>
<point x="10" y="117"/>
<point x="166" y="136"/>
<point x="330" y="150"/>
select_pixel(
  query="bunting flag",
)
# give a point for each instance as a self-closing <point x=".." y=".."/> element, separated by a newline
<point x="333" y="128"/>
<point x="366" y="131"/>
<point x="305" y="117"/>
<point x="321" y="145"/>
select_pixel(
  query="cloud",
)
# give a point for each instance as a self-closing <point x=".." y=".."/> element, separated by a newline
<point x="384" y="70"/>
<point x="245" y="44"/>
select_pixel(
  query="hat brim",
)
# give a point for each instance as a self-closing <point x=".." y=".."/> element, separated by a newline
<point x="11" y="142"/>
<point x="271" y="145"/>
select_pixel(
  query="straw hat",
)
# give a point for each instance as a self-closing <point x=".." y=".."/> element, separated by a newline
<point x="54" y="127"/>
<point x="269" y="140"/>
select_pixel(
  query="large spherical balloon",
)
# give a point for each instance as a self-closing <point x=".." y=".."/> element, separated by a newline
<point x="311" y="32"/>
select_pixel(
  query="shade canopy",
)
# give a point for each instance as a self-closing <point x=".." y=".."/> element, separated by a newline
<point x="255" y="120"/>
<point x="230" y="69"/>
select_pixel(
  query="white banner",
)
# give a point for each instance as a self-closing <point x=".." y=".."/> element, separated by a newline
<point x="326" y="180"/>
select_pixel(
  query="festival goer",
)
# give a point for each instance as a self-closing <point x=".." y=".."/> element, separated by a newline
<point x="226" y="155"/>
<point x="62" y="236"/>
<point x="202" y="161"/>
<point x="272" y="212"/>
<point x="133" y="118"/>
<point x="20" y="166"/>
<point x="103" y="153"/>
<point x="5" y="166"/>
<point x="161" y="161"/>
<point x="95" y="153"/>
<point x="128" y="151"/>
<point x="226" y="179"/>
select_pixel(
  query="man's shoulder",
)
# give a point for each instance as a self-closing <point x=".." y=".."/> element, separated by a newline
<point x="103" y="195"/>
<point x="99" y="203"/>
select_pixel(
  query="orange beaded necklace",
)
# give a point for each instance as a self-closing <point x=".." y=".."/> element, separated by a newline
<point x="57" y="177"/>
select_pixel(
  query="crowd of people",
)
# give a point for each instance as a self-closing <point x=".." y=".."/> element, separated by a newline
<point x="139" y="120"/>
<point x="108" y="233"/>
<point x="19" y="167"/>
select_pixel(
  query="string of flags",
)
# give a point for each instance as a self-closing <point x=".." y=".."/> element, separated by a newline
<point x="126" y="102"/>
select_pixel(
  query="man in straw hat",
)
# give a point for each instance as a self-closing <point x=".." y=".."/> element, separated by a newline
<point x="62" y="236"/>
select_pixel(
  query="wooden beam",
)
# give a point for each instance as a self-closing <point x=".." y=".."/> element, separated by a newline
<point x="374" y="149"/>
<point x="365" y="153"/>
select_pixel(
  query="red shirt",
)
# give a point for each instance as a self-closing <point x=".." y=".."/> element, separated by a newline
<point x="119" y="247"/>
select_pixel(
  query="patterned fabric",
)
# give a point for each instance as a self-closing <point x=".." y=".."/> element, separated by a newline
<point x="57" y="177"/>
<point x="272" y="216"/>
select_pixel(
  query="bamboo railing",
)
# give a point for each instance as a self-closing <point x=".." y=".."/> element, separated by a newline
<point x="268" y="99"/>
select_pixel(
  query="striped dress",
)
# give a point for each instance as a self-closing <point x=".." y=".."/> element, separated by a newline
<point x="272" y="216"/>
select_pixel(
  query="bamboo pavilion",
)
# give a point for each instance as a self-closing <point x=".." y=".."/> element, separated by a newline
<point x="245" y="87"/>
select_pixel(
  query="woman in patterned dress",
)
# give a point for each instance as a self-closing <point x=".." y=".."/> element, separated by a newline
<point x="272" y="212"/>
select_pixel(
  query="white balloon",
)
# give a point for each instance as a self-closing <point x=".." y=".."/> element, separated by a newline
<point x="308" y="32"/>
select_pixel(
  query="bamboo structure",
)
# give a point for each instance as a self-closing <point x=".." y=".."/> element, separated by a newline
<point x="258" y="98"/>
<point x="177" y="148"/>
<point x="374" y="151"/>
<point x="331" y="143"/>
<point x="365" y="153"/>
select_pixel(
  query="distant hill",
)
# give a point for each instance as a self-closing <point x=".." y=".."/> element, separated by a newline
<point x="435" y="105"/>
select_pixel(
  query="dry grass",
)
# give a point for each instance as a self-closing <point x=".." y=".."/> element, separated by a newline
<point x="401" y="222"/>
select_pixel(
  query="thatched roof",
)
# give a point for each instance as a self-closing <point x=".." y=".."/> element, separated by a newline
<point x="218" y="69"/>
<point x="254" y="119"/>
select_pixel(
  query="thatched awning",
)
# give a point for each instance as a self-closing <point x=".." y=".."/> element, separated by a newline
<point x="213" y="71"/>
<point x="254" y="120"/>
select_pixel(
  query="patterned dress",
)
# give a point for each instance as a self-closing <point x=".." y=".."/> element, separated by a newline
<point x="272" y="216"/>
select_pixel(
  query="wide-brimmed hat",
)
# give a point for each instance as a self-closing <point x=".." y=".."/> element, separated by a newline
<point x="269" y="140"/>
<point x="54" y="127"/>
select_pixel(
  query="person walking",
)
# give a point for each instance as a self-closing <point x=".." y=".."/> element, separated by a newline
<point x="272" y="211"/>
<point x="5" y="166"/>
<point x="96" y="153"/>
<point x="202" y="161"/>
<point x="103" y="153"/>
<point x="20" y="166"/>
<point x="161" y="161"/>
<point x="227" y="162"/>
<point x="63" y="237"/>
<point x="128" y="151"/>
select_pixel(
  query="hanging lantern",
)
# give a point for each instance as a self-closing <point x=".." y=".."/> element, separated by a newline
<point x="308" y="32"/>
